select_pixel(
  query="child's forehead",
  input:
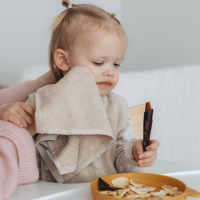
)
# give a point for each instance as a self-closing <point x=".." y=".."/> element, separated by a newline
<point x="106" y="47"/>
<point x="98" y="39"/>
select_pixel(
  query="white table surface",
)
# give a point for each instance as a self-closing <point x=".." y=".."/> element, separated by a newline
<point x="43" y="190"/>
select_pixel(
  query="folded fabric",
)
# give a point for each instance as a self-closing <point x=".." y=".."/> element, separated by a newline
<point x="73" y="124"/>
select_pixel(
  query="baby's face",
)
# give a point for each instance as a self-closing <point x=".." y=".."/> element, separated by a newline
<point x="102" y="56"/>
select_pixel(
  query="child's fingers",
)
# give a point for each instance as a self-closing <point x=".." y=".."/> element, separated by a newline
<point x="137" y="149"/>
<point x="147" y="154"/>
<point x="138" y="146"/>
<point x="147" y="162"/>
<point x="136" y="157"/>
<point x="154" y="145"/>
<point x="27" y="108"/>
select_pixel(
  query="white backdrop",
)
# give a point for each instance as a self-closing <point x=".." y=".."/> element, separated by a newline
<point x="161" y="33"/>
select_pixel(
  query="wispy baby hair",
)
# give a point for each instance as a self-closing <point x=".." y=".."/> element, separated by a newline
<point x="74" y="24"/>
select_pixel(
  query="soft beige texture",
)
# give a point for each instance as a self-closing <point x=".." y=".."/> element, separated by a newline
<point x="79" y="128"/>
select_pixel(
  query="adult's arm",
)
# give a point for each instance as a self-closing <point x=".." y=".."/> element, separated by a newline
<point x="16" y="93"/>
<point x="18" y="163"/>
<point x="21" y="91"/>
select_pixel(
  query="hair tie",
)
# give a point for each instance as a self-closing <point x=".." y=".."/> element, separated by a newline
<point x="66" y="4"/>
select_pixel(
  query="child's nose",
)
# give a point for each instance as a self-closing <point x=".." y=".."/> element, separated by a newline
<point x="109" y="72"/>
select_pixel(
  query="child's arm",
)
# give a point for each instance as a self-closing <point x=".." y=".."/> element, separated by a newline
<point x="129" y="151"/>
<point x="125" y="161"/>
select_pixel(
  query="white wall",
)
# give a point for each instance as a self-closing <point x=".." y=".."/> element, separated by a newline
<point x="162" y="33"/>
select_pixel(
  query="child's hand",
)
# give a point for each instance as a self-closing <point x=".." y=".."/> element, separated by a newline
<point x="145" y="159"/>
<point x="17" y="113"/>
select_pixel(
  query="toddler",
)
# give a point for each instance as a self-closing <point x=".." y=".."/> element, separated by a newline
<point x="87" y="36"/>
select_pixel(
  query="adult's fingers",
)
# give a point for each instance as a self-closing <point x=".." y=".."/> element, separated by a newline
<point x="27" y="108"/>
<point x="20" y="118"/>
<point x="154" y="145"/>
<point x="14" y="120"/>
<point x="24" y="115"/>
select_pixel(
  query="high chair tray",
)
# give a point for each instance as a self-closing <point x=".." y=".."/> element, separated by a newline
<point x="190" y="175"/>
<point x="83" y="193"/>
<point x="190" y="178"/>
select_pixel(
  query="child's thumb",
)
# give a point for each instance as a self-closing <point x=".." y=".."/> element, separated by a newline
<point x="139" y="147"/>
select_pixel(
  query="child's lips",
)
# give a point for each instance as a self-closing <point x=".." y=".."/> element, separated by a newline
<point x="105" y="84"/>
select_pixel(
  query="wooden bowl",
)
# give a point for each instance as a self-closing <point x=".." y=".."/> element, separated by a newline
<point x="154" y="180"/>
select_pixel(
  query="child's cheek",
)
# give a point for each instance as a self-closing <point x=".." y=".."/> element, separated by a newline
<point x="114" y="84"/>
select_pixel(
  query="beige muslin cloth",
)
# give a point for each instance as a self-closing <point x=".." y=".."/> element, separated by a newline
<point x="72" y="123"/>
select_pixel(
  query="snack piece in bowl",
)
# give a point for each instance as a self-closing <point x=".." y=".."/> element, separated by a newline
<point x="139" y="190"/>
<point x="109" y="193"/>
<point x="161" y="194"/>
<point x="121" y="182"/>
<point x="134" y="183"/>
<point x="130" y="192"/>
<point x="122" y="192"/>
<point x="173" y="191"/>
<point x="151" y="189"/>
<point x="134" y="195"/>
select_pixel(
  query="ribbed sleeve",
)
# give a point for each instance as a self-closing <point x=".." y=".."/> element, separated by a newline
<point x="17" y="158"/>
<point x="125" y="162"/>
<point x="16" y="93"/>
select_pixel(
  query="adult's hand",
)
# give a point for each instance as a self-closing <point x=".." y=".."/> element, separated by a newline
<point x="18" y="113"/>
<point x="45" y="79"/>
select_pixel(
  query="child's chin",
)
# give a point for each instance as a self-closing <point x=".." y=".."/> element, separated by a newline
<point x="104" y="93"/>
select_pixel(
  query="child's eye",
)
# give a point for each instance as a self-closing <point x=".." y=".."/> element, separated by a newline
<point x="117" y="65"/>
<point x="98" y="64"/>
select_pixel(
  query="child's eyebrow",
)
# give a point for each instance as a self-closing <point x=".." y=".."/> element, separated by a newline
<point x="106" y="57"/>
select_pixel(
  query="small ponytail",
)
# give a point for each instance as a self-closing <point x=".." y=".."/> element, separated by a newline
<point x="66" y="3"/>
<point x="60" y="18"/>
<point x="112" y="15"/>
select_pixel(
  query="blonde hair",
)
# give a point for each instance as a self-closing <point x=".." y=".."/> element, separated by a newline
<point x="73" y="23"/>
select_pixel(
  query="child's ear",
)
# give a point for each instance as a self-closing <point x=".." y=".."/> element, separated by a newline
<point x="61" y="60"/>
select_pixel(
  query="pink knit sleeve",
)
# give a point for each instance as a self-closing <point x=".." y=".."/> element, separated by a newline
<point x="16" y="93"/>
<point x="18" y="163"/>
